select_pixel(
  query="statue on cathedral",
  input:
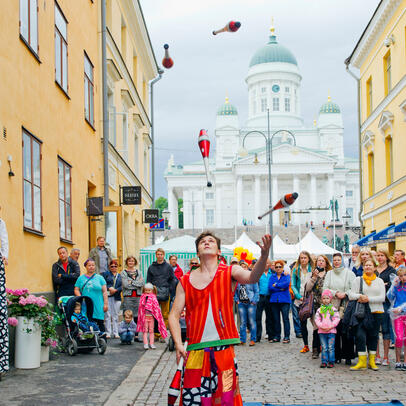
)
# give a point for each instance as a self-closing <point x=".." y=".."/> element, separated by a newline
<point x="346" y="243"/>
<point x="334" y="208"/>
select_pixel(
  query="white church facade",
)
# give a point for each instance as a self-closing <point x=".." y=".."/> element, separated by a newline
<point x="309" y="161"/>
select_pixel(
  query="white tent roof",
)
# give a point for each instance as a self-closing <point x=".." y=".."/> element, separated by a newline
<point x="310" y="242"/>
<point x="186" y="243"/>
<point x="245" y="242"/>
<point x="281" y="249"/>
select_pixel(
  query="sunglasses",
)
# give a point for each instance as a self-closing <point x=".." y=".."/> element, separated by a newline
<point x="194" y="263"/>
<point x="278" y="266"/>
<point x="113" y="266"/>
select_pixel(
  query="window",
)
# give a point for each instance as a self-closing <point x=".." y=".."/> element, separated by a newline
<point x="348" y="193"/>
<point x="263" y="89"/>
<point x="275" y="104"/>
<point x="264" y="105"/>
<point x="369" y="96"/>
<point x="350" y="212"/>
<point x="61" y="49"/>
<point x="89" y="95"/>
<point x="209" y="195"/>
<point x="287" y="90"/>
<point x="125" y="136"/>
<point x="29" y="23"/>
<point x="371" y="174"/>
<point x="287" y="104"/>
<point x="32" y="182"/>
<point x="389" y="160"/>
<point x="136" y="155"/>
<point x="254" y="93"/>
<point x="209" y="217"/>
<point x="254" y="107"/>
<point x="65" y="201"/>
<point x="387" y="73"/>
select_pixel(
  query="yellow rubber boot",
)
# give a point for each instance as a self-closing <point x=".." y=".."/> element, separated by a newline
<point x="362" y="362"/>
<point x="371" y="363"/>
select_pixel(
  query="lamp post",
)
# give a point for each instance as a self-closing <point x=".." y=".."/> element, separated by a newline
<point x="268" y="142"/>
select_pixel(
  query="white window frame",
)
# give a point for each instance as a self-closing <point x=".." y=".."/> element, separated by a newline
<point x="65" y="199"/>
<point x="264" y="105"/>
<point x="61" y="49"/>
<point x="89" y="90"/>
<point x="29" y="23"/>
<point x="275" y="104"/>
<point x="287" y="104"/>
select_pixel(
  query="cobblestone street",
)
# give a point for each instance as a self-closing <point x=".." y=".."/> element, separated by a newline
<point x="279" y="374"/>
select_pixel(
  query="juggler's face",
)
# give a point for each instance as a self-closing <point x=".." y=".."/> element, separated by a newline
<point x="208" y="245"/>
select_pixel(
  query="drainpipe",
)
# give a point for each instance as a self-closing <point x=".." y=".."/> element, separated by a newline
<point x="105" y="108"/>
<point x="160" y="73"/>
<point x="347" y="68"/>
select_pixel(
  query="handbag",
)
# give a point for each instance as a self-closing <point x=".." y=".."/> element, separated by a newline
<point x="243" y="295"/>
<point x="360" y="308"/>
<point x="162" y="294"/>
<point x="306" y="309"/>
<point x="343" y="302"/>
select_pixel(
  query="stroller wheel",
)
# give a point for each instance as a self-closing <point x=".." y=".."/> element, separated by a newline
<point x="171" y="344"/>
<point x="102" y="347"/>
<point x="72" y="347"/>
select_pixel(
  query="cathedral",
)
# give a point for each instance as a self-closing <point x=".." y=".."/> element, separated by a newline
<point x="309" y="161"/>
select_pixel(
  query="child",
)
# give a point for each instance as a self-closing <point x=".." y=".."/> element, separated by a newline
<point x="127" y="328"/>
<point x="327" y="319"/>
<point x="148" y="312"/>
<point x="82" y="321"/>
<point x="397" y="295"/>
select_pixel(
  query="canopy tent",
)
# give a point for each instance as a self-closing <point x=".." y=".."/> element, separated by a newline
<point x="245" y="242"/>
<point x="364" y="240"/>
<point x="311" y="243"/>
<point x="385" y="235"/>
<point x="183" y="247"/>
<point x="282" y="250"/>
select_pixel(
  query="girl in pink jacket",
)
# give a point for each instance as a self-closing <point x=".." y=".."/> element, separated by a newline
<point x="327" y="319"/>
<point x="149" y="311"/>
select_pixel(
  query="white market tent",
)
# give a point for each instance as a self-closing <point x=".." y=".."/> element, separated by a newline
<point x="184" y="247"/>
<point x="311" y="243"/>
<point x="245" y="242"/>
<point x="282" y="250"/>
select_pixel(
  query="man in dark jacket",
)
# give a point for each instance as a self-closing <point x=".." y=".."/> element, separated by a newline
<point x="161" y="275"/>
<point x="65" y="272"/>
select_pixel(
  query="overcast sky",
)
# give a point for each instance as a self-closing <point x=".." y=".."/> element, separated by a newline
<point x="320" y="33"/>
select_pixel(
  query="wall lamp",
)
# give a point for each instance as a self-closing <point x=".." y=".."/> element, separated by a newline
<point x="10" y="172"/>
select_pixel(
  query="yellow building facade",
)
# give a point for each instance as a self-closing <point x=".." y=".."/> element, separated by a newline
<point x="50" y="149"/>
<point x="131" y="66"/>
<point x="380" y="56"/>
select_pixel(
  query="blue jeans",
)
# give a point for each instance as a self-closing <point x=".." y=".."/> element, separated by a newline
<point x="247" y="312"/>
<point x="127" y="337"/>
<point x="296" y="320"/>
<point x="327" y="347"/>
<point x="277" y="309"/>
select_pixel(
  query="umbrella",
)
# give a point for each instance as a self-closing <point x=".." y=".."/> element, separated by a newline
<point x="174" y="388"/>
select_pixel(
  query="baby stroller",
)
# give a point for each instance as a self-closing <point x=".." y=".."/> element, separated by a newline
<point x="182" y="322"/>
<point x="76" y="340"/>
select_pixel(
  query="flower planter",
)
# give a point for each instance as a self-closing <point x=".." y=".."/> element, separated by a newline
<point x="28" y="344"/>
<point x="44" y="353"/>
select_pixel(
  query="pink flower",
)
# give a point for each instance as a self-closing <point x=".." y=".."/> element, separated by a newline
<point x="12" y="321"/>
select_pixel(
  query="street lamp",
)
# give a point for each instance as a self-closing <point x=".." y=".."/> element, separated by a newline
<point x="268" y="141"/>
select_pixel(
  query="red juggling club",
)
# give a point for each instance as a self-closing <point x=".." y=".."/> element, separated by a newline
<point x="167" y="62"/>
<point x="204" y="146"/>
<point x="174" y="388"/>
<point x="232" y="26"/>
<point x="285" y="201"/>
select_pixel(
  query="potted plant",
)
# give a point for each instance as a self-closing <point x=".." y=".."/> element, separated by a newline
<point x="49" y="336"/>
<point x="29" y="311"/>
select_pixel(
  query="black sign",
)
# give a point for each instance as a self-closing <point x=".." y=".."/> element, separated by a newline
<point x="151" y="216"/>
<point x="95" y="206"/>
<point x="131" y="194"/>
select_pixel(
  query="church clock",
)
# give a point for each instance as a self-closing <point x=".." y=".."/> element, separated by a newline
<point x="275" y="88"/>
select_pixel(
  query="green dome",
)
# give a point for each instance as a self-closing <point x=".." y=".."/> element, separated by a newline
<point x="329" y="108"/>
<point x="227" y="109"/>
<point x="273" y="52"/>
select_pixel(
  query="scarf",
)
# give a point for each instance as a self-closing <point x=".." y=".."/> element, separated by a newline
<point x="327" y="308"/>
<point x="368" y="279"/>
<point x="132" y="274"/>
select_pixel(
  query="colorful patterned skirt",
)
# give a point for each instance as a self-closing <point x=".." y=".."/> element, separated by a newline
<point x="210" y="377"/>
<point x="3" y="321"/>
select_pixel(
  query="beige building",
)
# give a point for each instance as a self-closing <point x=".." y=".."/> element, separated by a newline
<point x="131" y="65"/>
<point x="380" y="57"/>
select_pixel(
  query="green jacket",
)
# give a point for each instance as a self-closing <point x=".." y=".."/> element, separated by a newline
<point x="296" y="281"/>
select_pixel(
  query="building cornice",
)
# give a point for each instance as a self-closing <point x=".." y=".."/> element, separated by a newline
<point x="385" y="189"/>
<point x="372" y="32"/>
<point x="387" y="206"/>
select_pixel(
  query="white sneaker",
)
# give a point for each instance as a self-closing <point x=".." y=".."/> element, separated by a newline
<point x="152" y="346"/>
<point x="385" y="362"/>
<point x="146" y="347"/>
<point x="378" y="360"/>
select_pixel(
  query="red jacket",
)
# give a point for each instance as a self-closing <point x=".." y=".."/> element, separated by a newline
<point x="178" y="272"/>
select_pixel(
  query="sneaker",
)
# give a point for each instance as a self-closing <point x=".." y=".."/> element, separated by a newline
<point x="378" y="360"/>
<point x="146" y="347"/>
<point x="299" y="335"/>
<point x="385" y="362"/>
<point x="242" y="343"/>
<point x="398" y="366"/>
<point x="315" y="354"/>
<point x="323" y="365"/>
<point x="403" y="367"/>
<point x="152" y="346"/>
<point x="348" y="362"/>
<point x="252" y="343"/>
<point x="305" y="349"/>
<point x="330" y="365"/>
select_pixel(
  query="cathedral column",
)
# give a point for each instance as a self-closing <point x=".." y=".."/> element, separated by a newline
<point x="173" y="209"/>
<point x="199" y="213"/>
<point x="313" y="197"/>
<point x="186" y="209"/>
<point x="296" y="188"/>
<point x="238" y="221"/>
<point x="257" y="198"/>
<point x="218" y="206"/>
<point x="330" y="187"/>
<point x="275" y="198"/>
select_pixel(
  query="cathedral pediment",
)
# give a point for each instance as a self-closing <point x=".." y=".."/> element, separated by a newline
<point x="331" y="126"/>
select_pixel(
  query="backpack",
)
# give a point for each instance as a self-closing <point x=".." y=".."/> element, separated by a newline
<point x="243" y="294"/>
